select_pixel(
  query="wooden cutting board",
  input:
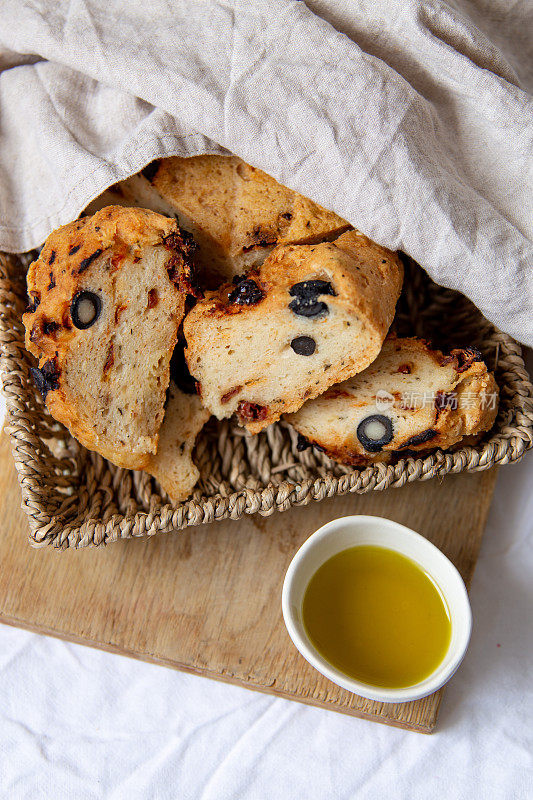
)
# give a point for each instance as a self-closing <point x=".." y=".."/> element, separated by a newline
<point x="208" y="600"/>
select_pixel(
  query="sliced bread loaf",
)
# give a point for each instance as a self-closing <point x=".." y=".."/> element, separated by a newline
<point x="410" y="399"/>
<point x="107" y="295"/>
<point x="310" y="316"/>
<point x="173" y="465"/>
<point x="236" y="213"/>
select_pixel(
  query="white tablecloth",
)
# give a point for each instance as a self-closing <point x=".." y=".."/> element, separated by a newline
<point x="83" y="724"/>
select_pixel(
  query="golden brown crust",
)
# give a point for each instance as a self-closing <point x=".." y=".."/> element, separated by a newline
<point x="237" y="209"/>
<point x="54" y="278"/>
<point x="291" y="264"/>
<point x="105" y="244"/>
<point x="465" y="406"/>
<point x="363" y="263"/>
<point x="367" y="280"/>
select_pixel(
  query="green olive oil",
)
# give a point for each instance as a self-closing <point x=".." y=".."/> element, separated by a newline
<point x="377" y="616"/>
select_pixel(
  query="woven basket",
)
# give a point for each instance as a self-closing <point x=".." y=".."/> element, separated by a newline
<point x="75" y="498"/>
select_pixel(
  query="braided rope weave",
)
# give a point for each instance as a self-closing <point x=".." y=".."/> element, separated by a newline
<point x="75" y="498"/>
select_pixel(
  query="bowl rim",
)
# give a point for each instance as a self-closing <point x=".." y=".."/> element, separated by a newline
<point x="461" y="614"/>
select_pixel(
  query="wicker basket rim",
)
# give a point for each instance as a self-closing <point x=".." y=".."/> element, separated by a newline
<point x="507" y="445"/>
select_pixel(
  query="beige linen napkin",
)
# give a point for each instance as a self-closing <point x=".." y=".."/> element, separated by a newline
<point x="411" y="119"/>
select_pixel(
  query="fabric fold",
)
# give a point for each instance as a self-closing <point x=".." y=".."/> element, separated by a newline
<point x="407" y="119"/>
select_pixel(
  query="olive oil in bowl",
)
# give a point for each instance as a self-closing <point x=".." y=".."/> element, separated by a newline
<point x="377" y="616"/>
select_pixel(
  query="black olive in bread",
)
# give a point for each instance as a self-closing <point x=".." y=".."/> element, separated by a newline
<point x="107" y="295"/>
<point x="411" y="399"/>
<point x="310" y="316"/>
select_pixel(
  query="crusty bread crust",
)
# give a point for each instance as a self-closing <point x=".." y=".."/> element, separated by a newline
<point x="115" y="252"/>
<point x="432" y="400"/>
<point x="241" y="354"/>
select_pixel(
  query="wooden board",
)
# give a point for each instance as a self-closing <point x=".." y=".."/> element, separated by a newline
<point x="208" y="600"/>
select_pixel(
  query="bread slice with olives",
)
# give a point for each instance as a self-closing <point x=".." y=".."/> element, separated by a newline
<point x="107" y="295"/>
<point x="309" y="317"/>
<point x="410" y="399"/>
<point x="236" y="213"/>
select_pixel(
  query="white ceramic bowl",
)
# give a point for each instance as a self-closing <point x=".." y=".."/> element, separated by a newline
<point x="363" y="530"/>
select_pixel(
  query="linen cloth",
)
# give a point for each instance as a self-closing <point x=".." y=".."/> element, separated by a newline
<point x="80" y="724"/>
<point x="410" y="118"/>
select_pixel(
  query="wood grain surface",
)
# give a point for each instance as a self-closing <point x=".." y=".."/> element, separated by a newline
<point x="208" y="600"/>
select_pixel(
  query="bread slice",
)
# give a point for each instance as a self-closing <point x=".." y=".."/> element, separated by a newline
<point x="409" y="400"/>
<point x="173" y="466"/>
<point x="312" y="315"/>
<point x="107" y="295"/>
<point x="236" y="213"/>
